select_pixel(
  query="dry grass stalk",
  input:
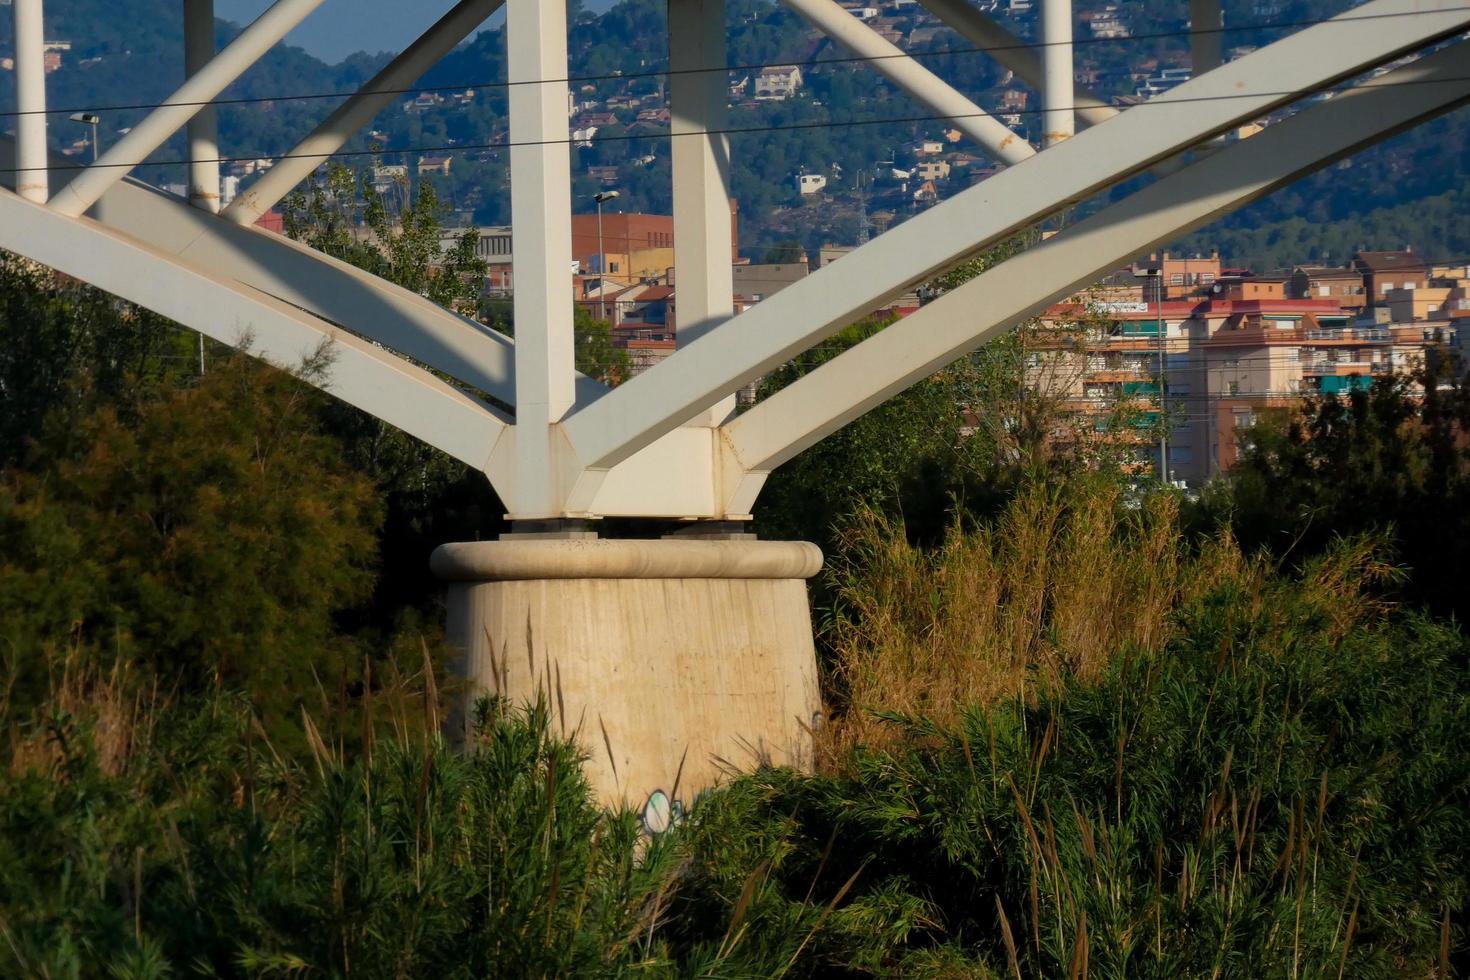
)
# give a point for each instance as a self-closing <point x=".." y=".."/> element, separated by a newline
<point x="107" y="703"/>
<point x="1062" y="582"/>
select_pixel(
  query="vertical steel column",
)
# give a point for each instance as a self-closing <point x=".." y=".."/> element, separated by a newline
<point x="32" y="180"/>
<point x="1013" y="53"/>
<point x="541" y="214"/>
<point x="1205" y="23"/>
<point x="701" y="166"/>
<point x="1058" y="120"/>
<point x="203" y="129"/>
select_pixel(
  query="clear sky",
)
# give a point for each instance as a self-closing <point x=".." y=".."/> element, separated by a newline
<point x="339" y="27"/>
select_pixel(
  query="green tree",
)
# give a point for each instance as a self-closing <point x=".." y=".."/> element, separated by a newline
<point x="66" y="348"/>
<point x="429" y="497"/>
<point x="210" y="531"/>
<point x="345" y="217"/>
<point x="1395" y="458"/>
<point x="907" y="455"/>
<point x="596" y="355"/>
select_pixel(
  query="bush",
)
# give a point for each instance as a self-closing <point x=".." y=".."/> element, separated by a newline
<point x="209" y="853"/>
<point x="1277" y="788"/>
<point x="210" y="531"/>
<point x="1068" y="576"/>
<point x="1280" y="790"/>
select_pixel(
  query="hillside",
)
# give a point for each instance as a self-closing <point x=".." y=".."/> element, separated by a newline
<point x="127" y="54"/>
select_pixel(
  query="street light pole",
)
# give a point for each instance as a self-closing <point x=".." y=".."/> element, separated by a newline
<point x="88" y="119"/>
<point x="1163" y="380"/>
<point x="602" y="256"/>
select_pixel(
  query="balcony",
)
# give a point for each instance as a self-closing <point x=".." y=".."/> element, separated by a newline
<point x="1364" y="335"/>
<point x="1341" y="384"/>
<point x="1117" y="373"/>
<point x="1342" y="369"/>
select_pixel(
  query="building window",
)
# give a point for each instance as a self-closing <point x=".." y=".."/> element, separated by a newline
<point x="1177" y="279"/>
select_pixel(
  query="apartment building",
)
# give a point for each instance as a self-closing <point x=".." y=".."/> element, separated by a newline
<point x="1182" y="276"/>
<point x="1215" y="364"/>
<point x="1384" y="271"/>
<point x="1343" y="285"/>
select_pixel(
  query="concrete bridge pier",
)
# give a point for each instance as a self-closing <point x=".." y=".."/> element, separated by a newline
<point x="672" y="661"/>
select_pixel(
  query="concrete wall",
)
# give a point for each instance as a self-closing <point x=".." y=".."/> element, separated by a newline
<point x="671" y="662"/>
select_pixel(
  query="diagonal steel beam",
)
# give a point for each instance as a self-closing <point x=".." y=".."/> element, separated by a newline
<point x="895" y="64"/>
<point x="328" y="288"/>
<point x="359" y="372"/>
<point x="1010" y="51"/>
<point x="188" y="99"/>
<point x="861" y="378"/>
<point x="766" y="336"/>
<point x="359" y="110"/>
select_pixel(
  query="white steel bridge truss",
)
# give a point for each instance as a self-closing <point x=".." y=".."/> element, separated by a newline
<point x="666" y="443"/>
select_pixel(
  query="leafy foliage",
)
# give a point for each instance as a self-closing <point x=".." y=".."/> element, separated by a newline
<point x="907" y="454"/>
<point x="1274" y="793"/>
<point x="1277" y="790"/>
<point x="211" y="854"/>
<point x="65" y="349"/>
<point x="210" y="531"/>
<point x="596" y="356"/>
<point x="1395" y="458"/>
<point x="350" y="220"/>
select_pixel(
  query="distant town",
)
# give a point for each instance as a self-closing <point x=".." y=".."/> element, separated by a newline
<point x="1231" y="341"/>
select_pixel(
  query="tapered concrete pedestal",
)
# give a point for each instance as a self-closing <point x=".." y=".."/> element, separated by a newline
<point x="658" y="654"/>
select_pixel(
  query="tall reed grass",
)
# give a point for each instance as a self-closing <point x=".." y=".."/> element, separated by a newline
<point x="1074" y="745"/>
<point x="1066" y="579"/>
<point x="1278" y="788"/>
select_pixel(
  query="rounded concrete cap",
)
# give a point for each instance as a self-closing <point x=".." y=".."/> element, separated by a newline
<point x="499" y="561"/>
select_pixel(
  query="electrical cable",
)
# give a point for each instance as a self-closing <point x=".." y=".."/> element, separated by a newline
<point x="727" y="131"/>
<point x="667" y="73"/>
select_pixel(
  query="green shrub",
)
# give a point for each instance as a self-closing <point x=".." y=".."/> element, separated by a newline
<point x="211" y="854"/>
<point x="1278" y="791"/>
<point x="210" y="531"/>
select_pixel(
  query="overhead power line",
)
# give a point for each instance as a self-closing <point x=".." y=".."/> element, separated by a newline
<point x="726" y="131"/>
<point x="668" y="73"/>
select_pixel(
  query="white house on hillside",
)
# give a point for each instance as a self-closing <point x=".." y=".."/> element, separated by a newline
<point x="778" y="82"/>
<point x="810" y="183"/>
